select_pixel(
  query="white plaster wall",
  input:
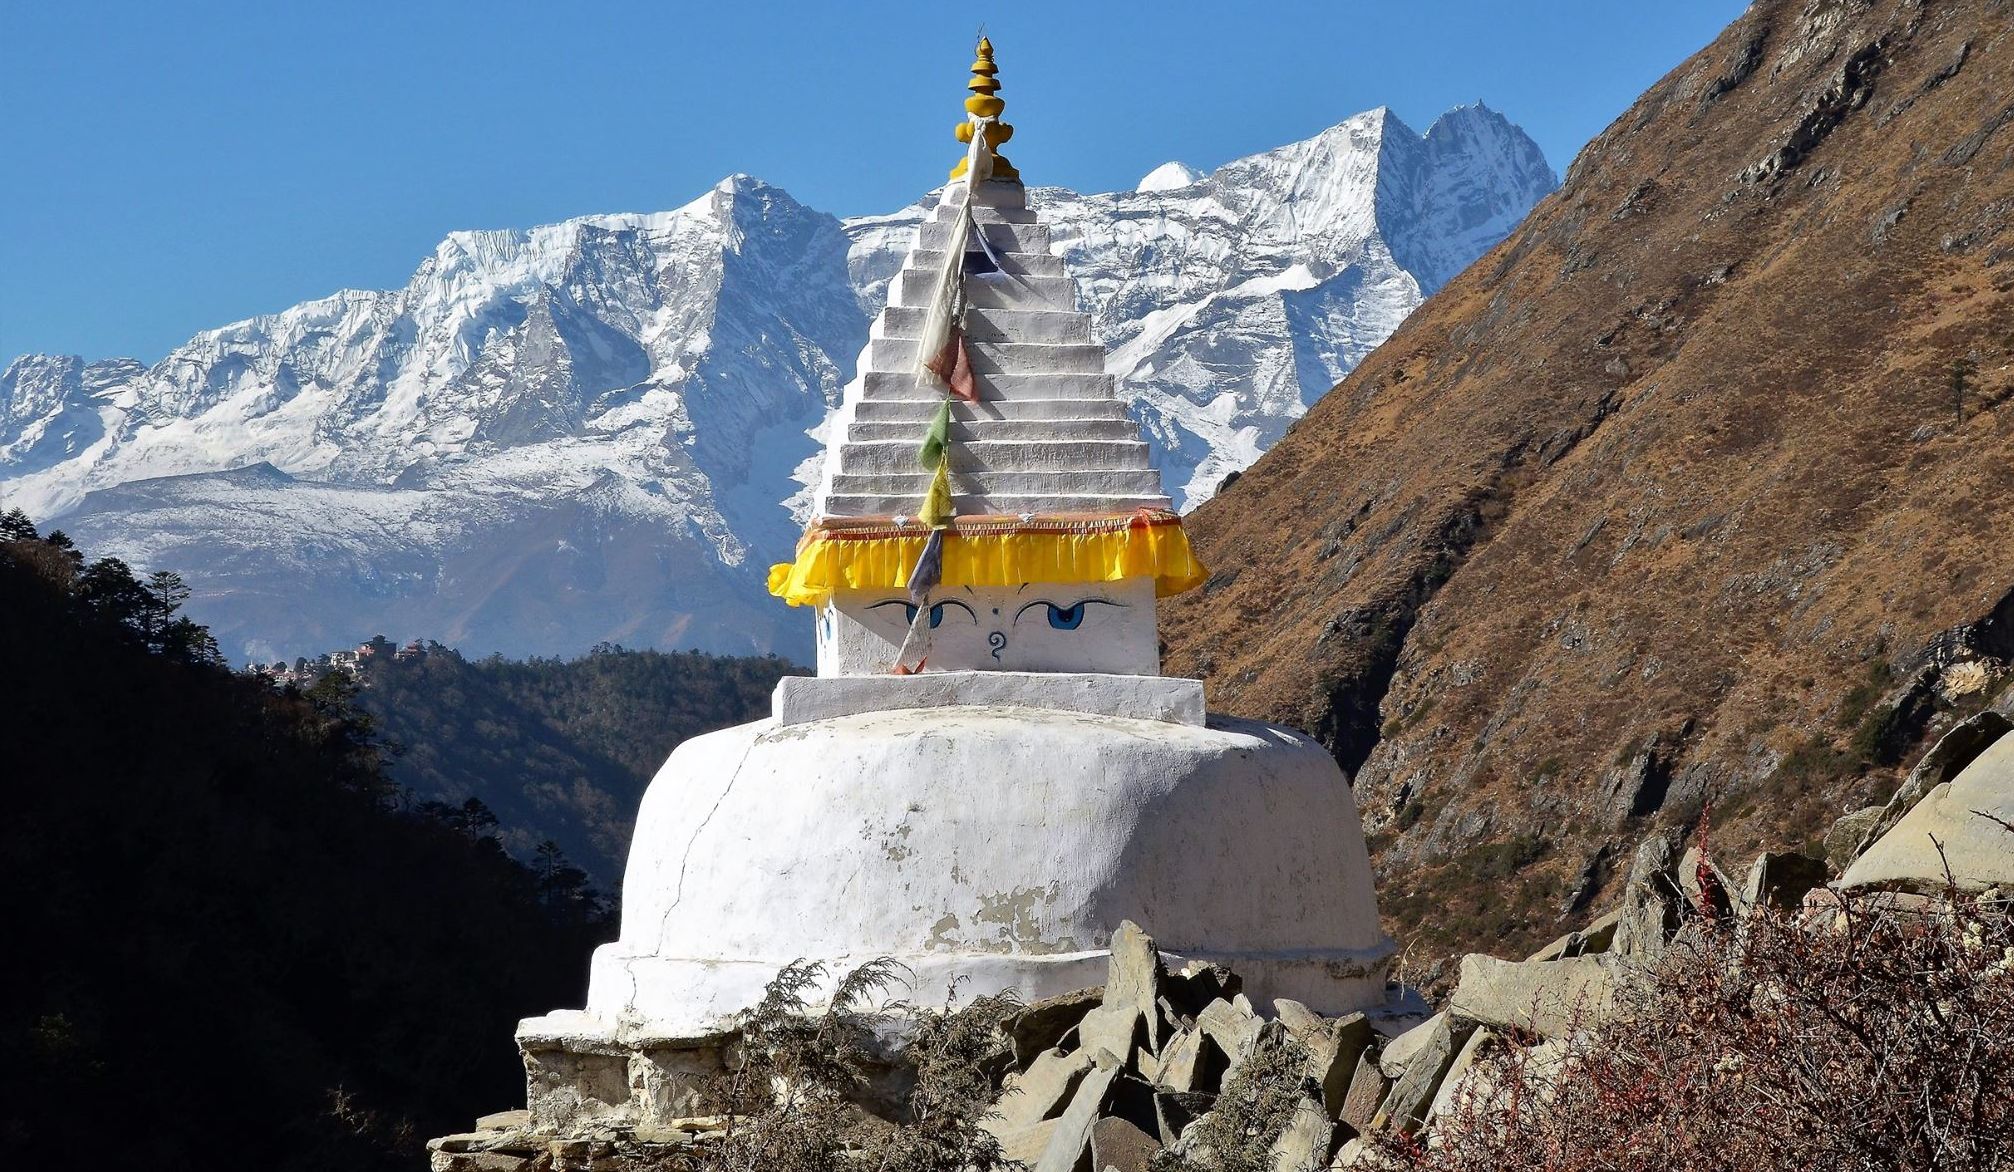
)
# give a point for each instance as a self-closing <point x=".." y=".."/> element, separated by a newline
<point x="999" y="628"/>
<point x="999" y="844"/>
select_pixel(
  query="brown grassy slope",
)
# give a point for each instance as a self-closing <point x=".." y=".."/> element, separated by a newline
<point x="1641" y="509"/>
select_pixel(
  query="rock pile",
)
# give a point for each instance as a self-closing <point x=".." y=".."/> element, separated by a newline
<point x="1180" y="1070"/>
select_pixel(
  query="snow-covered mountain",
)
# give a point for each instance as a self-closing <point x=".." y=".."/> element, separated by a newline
<point x="588" y="430"/>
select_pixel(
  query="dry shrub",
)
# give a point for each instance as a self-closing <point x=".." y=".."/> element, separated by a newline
<point x="1257" y="1102"/>
<point x="1884" y="1040"/>
<point x="791" y="1099"/>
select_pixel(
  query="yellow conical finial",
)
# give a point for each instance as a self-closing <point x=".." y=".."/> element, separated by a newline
<point x="984" y="104"/>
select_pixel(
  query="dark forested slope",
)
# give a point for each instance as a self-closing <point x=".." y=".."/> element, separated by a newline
<point x="230" y="943"/>
<point x="559" y="750"/>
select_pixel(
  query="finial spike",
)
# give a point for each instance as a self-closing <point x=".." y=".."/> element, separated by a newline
<point x="984" y="103"/>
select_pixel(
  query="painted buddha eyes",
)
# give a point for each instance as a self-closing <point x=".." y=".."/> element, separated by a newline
<point x="909" y="610"/>
<point x="1063" y="618"/>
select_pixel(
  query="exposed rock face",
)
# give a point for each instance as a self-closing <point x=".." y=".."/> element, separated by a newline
<point x="1958" y="834"/>
<point x="1695" y="480"/>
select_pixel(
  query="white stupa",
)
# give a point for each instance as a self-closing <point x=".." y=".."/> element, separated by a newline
<point x="989" y="773"/>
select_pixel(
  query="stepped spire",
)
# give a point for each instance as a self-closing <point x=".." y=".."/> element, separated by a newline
<point x="984" y="103"/>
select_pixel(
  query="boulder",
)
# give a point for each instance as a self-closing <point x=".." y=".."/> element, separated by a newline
<point x="1413" y="1091"/>
<point x="1456" y="1084"/>
<point x="1197" y="984"/>
<point x="1118" y="1146"/>
<point x="1549" y="998"/>
<point x="1333" y="1045"/>
<point x="1043" y="1024"/>
<point x="1952" y="753"/>
<point x="1133" y="979"/>
<point x="1175" y="1110"/>
<point x="1705" y="886"/>
<point x="1041" y="1091"/>
<point x="1025" y="1145"/>
<point x="1958" y="816"/>
<point x="1399" y="1053"/>
<point x="1303" y="1145"/>
<point x="1780" y="880"/>
<point x="1650" y="896"/>
<point x="1368" y="1087"/>
<point x="1190" y="1062"/>
<point x="1232" y="1027"/>
<point x="1596" y="937"/>
<point x="1071" y="1138"/>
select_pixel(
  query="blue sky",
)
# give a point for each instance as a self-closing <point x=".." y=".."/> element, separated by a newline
<point x="169" y="167"/>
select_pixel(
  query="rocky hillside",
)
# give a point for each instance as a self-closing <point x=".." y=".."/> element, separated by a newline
<point x="1694" y="490"/>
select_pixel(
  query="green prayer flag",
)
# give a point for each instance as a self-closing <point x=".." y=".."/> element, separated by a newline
<point x="937" y="438"/>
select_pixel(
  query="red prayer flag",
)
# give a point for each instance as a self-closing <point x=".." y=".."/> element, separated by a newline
<point x="953" y="366"/>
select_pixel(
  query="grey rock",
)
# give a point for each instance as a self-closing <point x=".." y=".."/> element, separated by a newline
<point x="1953" y="752"/>
<point x="1025" y="1145"/>
<point x="1368" y="1087"/>
<point x="1413" y="1091"/>
<point x="504" y="1120"/>
<point x="1334" y="1045"/>
<point x="1780" y="879"/>
<point x="1232" y="1027"/>
<point x="1953" y="826"/>
<point x="1303" y="1145"/>
<point x="1041" y="1025"/>
<point x="1071" y="1139"/>
<point x="1175" y="1110"/>
<point x="1118" y="1146"/>
<point x="1399" y="1053"/>
<point x="1452" y="1082"/>
<point x="1847" y="834"/>
<point x="1183" y="1064"/>
<point x="1041" y="1091"/>
<point x="1650" y="901"/>
<point x="1596" y="937"/>
<point x="1546" y="997"/>
<point x="1197" y="984"/>
<point x="1718" y="895"/>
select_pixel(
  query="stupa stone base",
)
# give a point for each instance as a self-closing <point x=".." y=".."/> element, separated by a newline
<point x="994" y="846"/>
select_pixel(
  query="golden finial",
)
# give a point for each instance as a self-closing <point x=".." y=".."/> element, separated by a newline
<point x="984" y="104"/>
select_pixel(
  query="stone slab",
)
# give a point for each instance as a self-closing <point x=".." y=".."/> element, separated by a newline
<point x="1953" y="825"/>
<point x="802" y="699"/>
<point x="1547" y="997"/>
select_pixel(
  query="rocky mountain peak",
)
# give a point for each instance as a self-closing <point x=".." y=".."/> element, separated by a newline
<point x="488" y="429"/>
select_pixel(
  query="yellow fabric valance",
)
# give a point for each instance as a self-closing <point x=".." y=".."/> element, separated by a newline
<point x="874" y="553"/>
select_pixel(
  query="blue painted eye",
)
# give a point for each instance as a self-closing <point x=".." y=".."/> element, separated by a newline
<point x="936" y="614"/>
<point x="1065" y="618"/>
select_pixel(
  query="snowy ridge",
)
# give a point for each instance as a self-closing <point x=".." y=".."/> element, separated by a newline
<point x="589" y="430"/>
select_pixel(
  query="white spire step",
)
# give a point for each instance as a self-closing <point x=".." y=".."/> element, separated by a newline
<point x="873" y="505"/>
<point x="1032" y="238"/>
<point x="1030" y="358"/>
<point x="1062" y="451"/>
<point x="1093" y="481"/>
<point x="988" y="324"/>
<point x="989" y="430"/>
<point x="885" y="384"/>
<point x="920" y="410"/>
<point x="914" y="289"/>
<point x="1035" y="264"/>
<point x="944" y="213"/>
